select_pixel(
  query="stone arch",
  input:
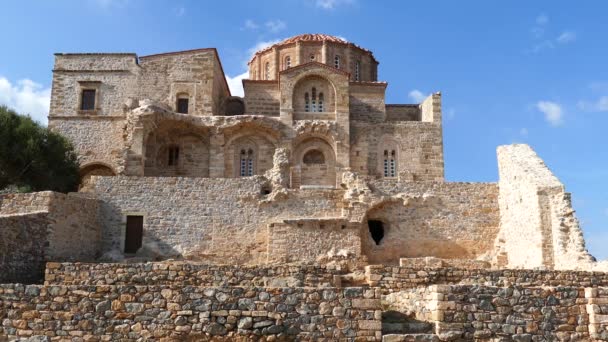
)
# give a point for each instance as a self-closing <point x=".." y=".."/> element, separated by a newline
<point x="320" y="173"/>
<point x="94" y="169"/>
<point x="308" y="93"/>
<point x="177" y="149"/>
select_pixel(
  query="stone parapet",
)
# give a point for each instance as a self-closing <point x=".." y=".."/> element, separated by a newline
<point x="177" y="313"/>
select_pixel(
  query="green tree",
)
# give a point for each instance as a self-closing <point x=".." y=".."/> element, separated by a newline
<point x="34" y="158"/>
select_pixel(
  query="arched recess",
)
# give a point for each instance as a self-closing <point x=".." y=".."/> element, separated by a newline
<point x="248" y="153"/>
<point x="175" y="149"/>
<point x="313" y="94"/>
<point x="94" y="169"/>
<point x="315" y="163"/>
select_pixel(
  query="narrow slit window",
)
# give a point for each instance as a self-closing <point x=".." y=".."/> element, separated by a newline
<point x="390" y="163"/>
<point x="320" y="102"/>
<point x="306" y="103"/>
<point x="267" y="71"/>
<point x="173" y="156"/>
<point x="88" y="99"/>
<point x="337" y="62"/>
<point x="357" y="70"/>
<point x="314" y="100"/>
<point x="287" y="62"/>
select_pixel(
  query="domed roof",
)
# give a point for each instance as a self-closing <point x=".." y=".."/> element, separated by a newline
<point x="311" y="37"/>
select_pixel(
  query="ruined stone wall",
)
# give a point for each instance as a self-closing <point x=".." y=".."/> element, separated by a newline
<point x="321" y="238"/>
<point x="392" y="278"/>
<point x="189" y="273"/>
<point x="22" y="240"/>
<point x="42" y="226"/>
<point x="419" y="147"/>
<point x="445" y="220"/>
<point x="157" y="312"/>
<point x="223" y="220"/>
<point x="538" y="225"/>
<point x="402" y="112"/>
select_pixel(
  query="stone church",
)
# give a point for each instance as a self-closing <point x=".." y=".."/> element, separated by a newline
<point x="308" y="176"/>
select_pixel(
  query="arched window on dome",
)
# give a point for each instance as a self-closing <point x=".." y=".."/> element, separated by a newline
<point x="247" y="159"/>
<point x="358" y="71"/>
<point x="306" y="103"/>
<point x="320" y="102"/>
<point x="390" y="163"/>
<point x="313" y="107"/>
<point x="337" y="62"/>
<point x="287" y="62"/>
<point x="267" y="71"/>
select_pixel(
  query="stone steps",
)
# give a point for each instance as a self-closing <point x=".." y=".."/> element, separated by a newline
<point x="410" y="338"/>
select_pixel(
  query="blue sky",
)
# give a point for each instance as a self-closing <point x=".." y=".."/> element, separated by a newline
<point x="512" y="71"/>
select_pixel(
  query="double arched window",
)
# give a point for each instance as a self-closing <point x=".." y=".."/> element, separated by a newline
<point x="247" y="159"/>
<point x="390" y="163"/>
<point x="313" y="103"/>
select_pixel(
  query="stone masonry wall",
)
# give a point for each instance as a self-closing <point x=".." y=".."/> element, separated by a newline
<point x="177" y="313"/>
<point x="538" y="226"/>
<point x="392" y="278"/>
<point x="42" y="226"/>
<point x="221" y="220"/>
<point x="187" y="273"/>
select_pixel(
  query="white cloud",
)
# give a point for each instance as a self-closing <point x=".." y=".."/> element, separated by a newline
<point x="275" y="26"/>
<point x="262" y="45"/>
<point x="417" y="96"/>
<point x="26" y="97"/>
<point x="553" y="112"/>
<point x="542" y="19"/>
<point x="251" y="25"/>
<point x="236" y="83"/>
<point x="523" y="132"/>
<point x="601" y="105"/>
<point x="450" y="114"/>
<point x="331" y="4"/>
<point x="566" y="37"/>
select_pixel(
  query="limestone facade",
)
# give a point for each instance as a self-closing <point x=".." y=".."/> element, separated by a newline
<point x="311" y="164"/>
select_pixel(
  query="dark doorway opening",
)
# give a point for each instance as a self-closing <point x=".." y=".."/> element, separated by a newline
<point x="376" y="229"/>
<point x="134" y="234"/>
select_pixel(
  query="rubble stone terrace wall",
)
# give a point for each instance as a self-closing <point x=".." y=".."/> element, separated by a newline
<point x="187" y="312"/>
<point x="42" y="226"/>
<point x="187" y="273"/>
<point x="538" y="225"/>
<point x="392" y="278"/>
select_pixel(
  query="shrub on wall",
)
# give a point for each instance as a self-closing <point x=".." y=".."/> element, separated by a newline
<point x="33" y="158"/>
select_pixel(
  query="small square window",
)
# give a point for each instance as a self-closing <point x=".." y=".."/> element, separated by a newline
<point x="182" y="106"/>
<point x="87" y="102"/>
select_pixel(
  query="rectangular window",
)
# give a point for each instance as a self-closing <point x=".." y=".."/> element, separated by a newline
<point x="182" y="106"/>
<point x="87" y="102"/>
<point x="134" y="234"/>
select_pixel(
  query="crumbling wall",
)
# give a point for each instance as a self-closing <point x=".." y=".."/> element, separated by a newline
<point x="42" y="226"/>
<point x="538" y="226"/>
